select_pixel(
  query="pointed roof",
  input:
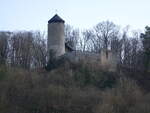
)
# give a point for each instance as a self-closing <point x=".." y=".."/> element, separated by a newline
<point x="56" y="19"/>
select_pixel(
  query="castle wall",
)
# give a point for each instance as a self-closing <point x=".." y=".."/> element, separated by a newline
<point x="110" y="62"/>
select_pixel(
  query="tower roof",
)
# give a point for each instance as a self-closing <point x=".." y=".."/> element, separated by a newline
<point x="56" y="19"/>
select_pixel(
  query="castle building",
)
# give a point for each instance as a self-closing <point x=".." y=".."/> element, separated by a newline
<point x="57" y="46"/>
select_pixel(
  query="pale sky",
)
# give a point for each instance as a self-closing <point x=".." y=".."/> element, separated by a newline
<point x="82" y="14"/>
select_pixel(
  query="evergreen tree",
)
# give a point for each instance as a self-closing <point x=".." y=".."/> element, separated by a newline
<point x="146" y="47"/>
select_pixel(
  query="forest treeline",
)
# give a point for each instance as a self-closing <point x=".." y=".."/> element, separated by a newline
<point x="28" y="50"/>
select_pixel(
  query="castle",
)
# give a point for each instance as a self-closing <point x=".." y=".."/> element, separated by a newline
<point x="56" y="44"/>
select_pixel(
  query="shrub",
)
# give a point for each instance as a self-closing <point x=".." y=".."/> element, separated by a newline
<point x="70" y="88"/>
<point x="126" y="97"/>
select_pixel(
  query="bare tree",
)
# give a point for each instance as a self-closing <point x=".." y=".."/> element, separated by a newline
<point x="4" y="37"/>
<point x="87" y="41"/>
<point x="131" y="50"/>
<point x="39" y="50"/>
<point x="21" y="43"/>
<point x="72" y="36"/>
<point x="28" y="50"/>
<point x="104" y="31"/>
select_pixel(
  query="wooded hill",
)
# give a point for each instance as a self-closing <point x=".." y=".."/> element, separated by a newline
<point x="82" y="87"/>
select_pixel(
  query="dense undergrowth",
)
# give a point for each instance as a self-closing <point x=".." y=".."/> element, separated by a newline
<point x="71" y="88"/>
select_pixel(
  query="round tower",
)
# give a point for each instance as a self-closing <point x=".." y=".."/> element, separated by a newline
<point x="56" y="36"/>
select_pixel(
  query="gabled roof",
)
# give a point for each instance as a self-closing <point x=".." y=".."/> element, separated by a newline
<point x="56" y="19"/>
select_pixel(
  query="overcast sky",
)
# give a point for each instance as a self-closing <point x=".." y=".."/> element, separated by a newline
<point x="34" y="14"/>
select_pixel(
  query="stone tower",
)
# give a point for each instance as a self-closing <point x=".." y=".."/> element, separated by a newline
<point x="56" y="36"/>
